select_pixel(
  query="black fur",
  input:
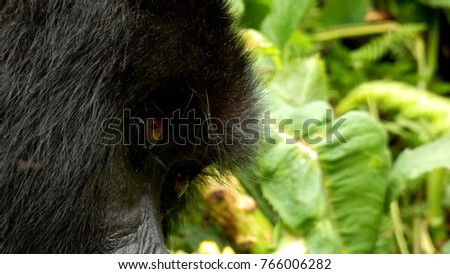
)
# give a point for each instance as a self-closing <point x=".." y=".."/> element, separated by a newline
<point x="66" y="67"/>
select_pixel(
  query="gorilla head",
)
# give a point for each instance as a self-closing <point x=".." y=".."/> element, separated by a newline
<point x="109" y="109"/>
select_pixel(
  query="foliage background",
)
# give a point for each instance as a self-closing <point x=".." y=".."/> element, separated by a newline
<point x="379" y="71"/>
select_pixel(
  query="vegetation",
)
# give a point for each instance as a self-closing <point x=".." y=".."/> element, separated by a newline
<point x="358" y="160"/>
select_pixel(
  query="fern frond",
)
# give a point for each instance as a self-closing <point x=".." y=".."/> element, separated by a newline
<point x="382" y="45"/>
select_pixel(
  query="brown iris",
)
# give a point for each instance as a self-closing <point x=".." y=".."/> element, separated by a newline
<point x="154" y="129"/>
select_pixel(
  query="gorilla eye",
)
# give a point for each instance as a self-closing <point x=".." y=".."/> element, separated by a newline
<point x="154" y="130"/>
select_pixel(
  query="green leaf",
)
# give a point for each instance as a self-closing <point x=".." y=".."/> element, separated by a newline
<point x="406" y="101"/>
<point x="437" y="3"/>
<point x="255" y="12"/>
<point x="355" y="176"/>
<point x="277" y="158"/>
<point x="322" y="239"/>
<point x="289" y="178"/>
<point x="284" y="18"/>
<point x="334" y="188"/>
<point x="292" y="185"/>
<point x="414" y="163"/>
<point x="299" y="83"/>
<point x="338" y="12"/>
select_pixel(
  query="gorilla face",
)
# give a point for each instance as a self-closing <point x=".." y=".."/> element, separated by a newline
<point x="108" y="112"/>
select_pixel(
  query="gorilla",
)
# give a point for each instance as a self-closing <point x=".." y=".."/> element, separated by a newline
<point x="111" y="113"/>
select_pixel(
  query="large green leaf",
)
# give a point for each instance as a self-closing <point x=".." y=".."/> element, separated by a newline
<point x="284" y="161"/>
<point x="292" y="185"/>
<point x="275" y="163"/>
<point x="355" y="176"/>
<point x="338" y="181"/>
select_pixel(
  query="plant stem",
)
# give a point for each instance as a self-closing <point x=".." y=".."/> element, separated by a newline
<point x="435" y="188"/>
<point x="353" y="31"/>
<point x="433" y="48"/>
<point x="416" y="236"/>
<point x="398" y="228"/>
<point x="428" y="54"/>
<point x="426" y="243"/>
<point x="419" y="54"/>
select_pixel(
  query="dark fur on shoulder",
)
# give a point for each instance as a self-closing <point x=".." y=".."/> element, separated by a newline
<point x="66" y="67"/>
